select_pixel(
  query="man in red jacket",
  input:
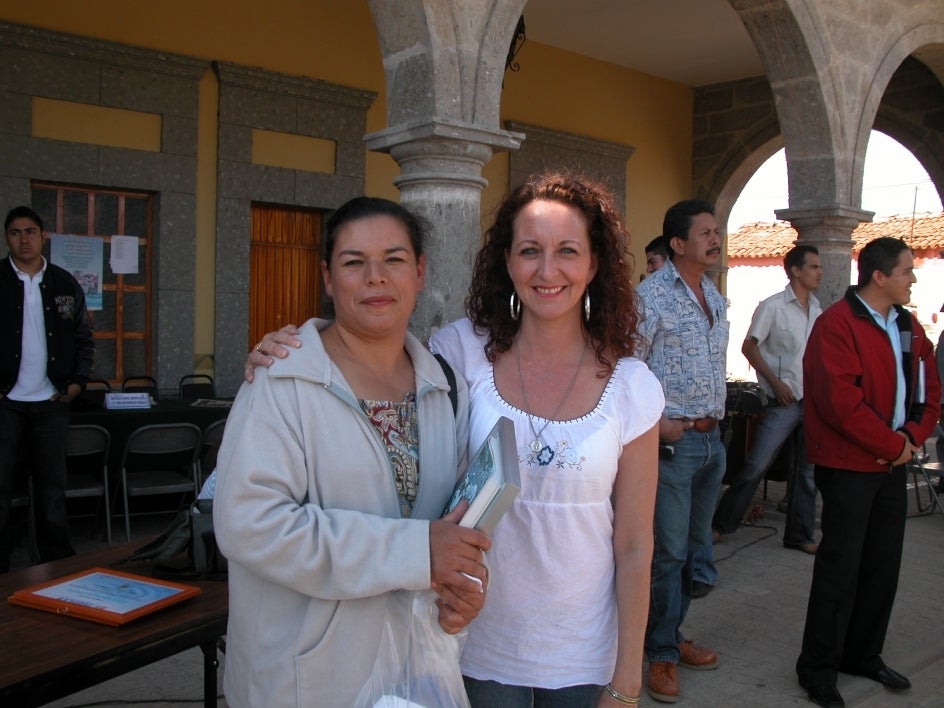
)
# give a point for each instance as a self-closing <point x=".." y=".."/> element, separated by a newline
<point x="872" y="397"/>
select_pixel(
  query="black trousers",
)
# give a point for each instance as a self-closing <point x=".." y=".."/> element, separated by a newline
<point x="40" y="429"/>
<point x="855" y="574"/>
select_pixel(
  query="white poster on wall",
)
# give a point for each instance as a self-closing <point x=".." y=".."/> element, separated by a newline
<point x="124" y="254"/>
<point x="81" y="256"/>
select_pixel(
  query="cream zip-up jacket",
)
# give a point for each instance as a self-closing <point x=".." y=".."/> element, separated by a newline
<point x="306" y="513"/>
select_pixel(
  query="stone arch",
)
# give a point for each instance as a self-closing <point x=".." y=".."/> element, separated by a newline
<point x="908" y="133"/>
<point x="738" y="177"/>
<point x="912" y="111"/>
<point x="790" y="36"/>
<point x="444" y="58"/>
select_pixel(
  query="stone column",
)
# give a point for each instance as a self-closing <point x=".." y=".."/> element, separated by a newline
<point x="441" y="180"/>
<point x="830" y="230"/>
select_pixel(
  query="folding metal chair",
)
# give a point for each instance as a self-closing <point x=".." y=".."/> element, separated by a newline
<point x="209" y="447"/>
<point x="922" y="470"/>
<point x="139" y="384"/>
<point x="194" y="386"/>
<point x="87" y="449"/>
<point x="159" y="459"/>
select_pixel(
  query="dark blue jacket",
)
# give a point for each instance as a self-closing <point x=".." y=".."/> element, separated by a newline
<point x="69" y="343"/>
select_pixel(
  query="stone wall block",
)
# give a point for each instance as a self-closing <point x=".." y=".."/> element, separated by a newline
<point x="714" y="98"/>
<point x="325" y="191"/>
<point x="14" y="190"/>
<point x="810" y="179"/>
<point x="258" y="109"/>
<point x="50" y="76"/>
<point x="176" y="241"/>
<point x="137" y="90"/>
<point x="413" y="98"/>
<point x="232" y="330"/>
<point x="756" y="90"/>
<point x="272" y="184"/>
<point x="51" y="160"/>
<point x="138" y="169"/>
<point x="179" y="135"/>
<point x="235" y="143"/>
<point x="739" y="120"/>
<point x="233" y="226"/>
<point x="321" y="119"/>
<point x="16" y="113"/>
<point x="174" y="340"/>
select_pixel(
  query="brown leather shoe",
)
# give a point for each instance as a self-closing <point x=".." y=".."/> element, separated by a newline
<point x="662" y="683"/>
<point x="692" y="656"/>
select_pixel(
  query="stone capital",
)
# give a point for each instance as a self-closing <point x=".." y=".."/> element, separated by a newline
<point x="441" y="152"/>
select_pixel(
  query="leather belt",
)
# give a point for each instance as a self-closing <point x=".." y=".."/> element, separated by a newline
<point x="704" y="425"/>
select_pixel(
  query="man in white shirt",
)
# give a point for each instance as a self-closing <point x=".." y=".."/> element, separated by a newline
<point x="44" y="363"/>
<point x="774" y="346"/>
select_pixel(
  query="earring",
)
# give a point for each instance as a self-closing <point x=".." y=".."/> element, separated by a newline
<point x="586" y="305"/>
<point x="514" y="306"/>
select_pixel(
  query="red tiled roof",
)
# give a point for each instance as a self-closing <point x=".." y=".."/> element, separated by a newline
<point x="925" y="233"/>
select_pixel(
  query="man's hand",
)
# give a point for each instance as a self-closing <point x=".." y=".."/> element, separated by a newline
<point x="672" y="429"/>
<point x="71" y="392"/>
<point x="272" y="345"/>
<point x="782" y="392"/>
<point x="458" y="575"/>
<point x="907" y="452"/>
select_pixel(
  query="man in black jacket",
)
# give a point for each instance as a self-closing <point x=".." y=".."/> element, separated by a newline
<point x="45" y="361"/>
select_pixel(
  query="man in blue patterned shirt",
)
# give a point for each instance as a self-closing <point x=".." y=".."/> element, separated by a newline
<point x="683" y="339"/>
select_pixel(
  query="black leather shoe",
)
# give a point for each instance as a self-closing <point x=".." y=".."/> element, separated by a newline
<point x="889" y="678"/>
<point x="825" y="696"/>
<point x="700" y="589"/>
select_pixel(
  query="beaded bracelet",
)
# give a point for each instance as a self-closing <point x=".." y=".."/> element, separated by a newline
<point x="621" y="697"/>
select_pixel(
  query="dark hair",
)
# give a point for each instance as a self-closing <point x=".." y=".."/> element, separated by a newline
<point x="678" y="220"/>
<point x="21" y="212"/>
<point x="366" y="207"/>
<point x="880" y="254"/>
<point x="613" y="317"/>
<point x="659" y="245"/>
<point x="796" y="257"/>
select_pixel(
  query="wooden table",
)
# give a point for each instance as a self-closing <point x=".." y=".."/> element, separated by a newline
<point x="46" y="656"/>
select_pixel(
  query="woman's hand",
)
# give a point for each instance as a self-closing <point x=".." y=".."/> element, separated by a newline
<point x="458" y="574"/>
<point x="272" y="345"/>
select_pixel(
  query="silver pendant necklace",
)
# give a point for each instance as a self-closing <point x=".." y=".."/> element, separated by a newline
<point x="537" y="444"/>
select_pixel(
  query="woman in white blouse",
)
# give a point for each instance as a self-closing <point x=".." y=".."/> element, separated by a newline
<point x="549" y="343"/>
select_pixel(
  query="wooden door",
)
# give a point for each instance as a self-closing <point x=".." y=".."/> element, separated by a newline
<point x="284" y="268"/>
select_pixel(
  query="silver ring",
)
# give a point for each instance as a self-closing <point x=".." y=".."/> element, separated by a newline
<point x="258" y="347"/>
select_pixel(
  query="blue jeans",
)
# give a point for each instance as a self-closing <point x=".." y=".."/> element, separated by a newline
<point x="491" y="694"/>
<point x="35" y="432"/>
<point x="776" y="426"/>
<point x="685" y="499"/>
<point x="703" y="565"/>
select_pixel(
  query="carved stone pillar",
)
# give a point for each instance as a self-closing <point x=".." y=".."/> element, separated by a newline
<point x="441" y="180"/>
<point x="830" y="230"/>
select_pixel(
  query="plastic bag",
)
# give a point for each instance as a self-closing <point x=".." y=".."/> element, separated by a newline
<point x="417" y="663"/>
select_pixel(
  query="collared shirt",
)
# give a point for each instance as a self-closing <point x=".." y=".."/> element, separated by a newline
<point x="681" y="347"/>
<point x="781" y="327"/>
<point x="891" y="329"/>
<point x="32" y="384"/>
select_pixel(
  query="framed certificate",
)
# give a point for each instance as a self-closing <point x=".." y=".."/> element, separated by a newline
<point x="103" y="595"/>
